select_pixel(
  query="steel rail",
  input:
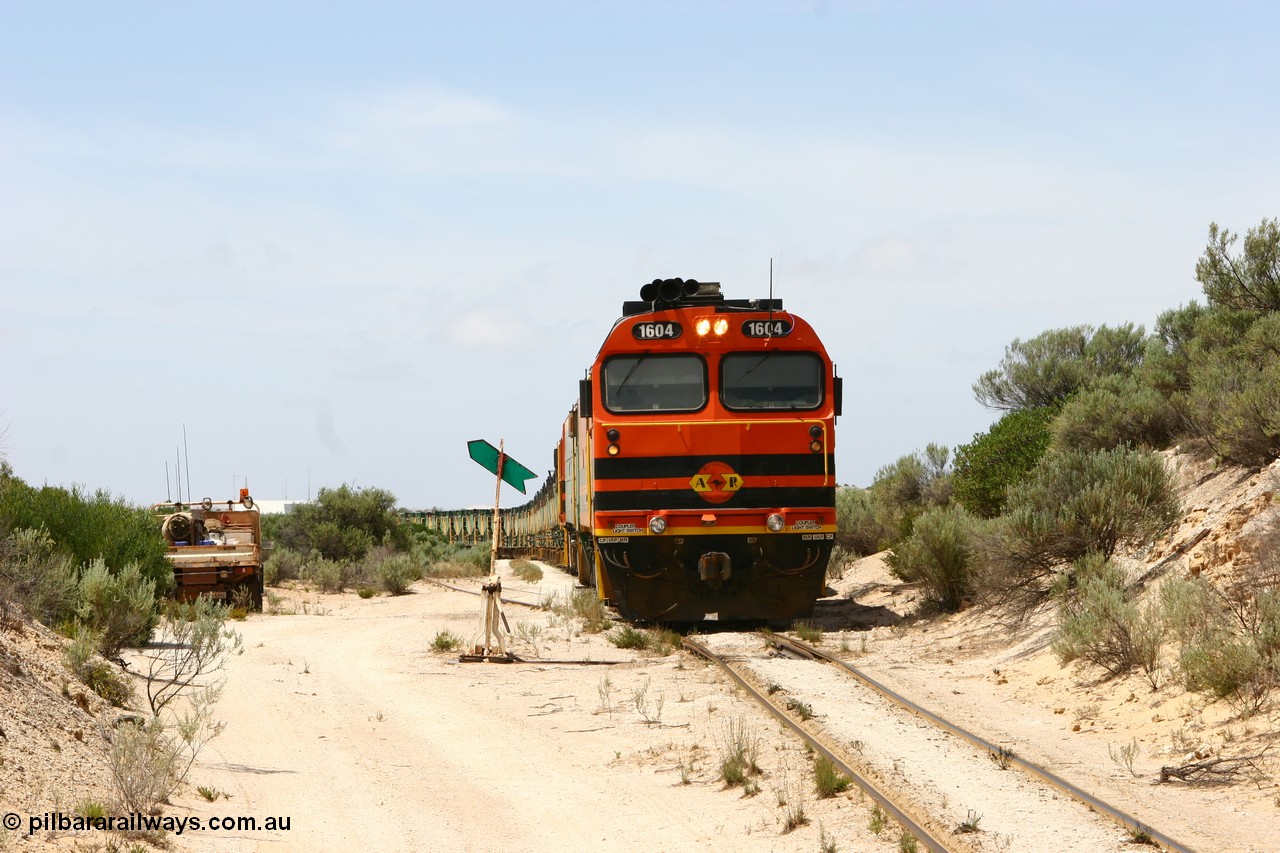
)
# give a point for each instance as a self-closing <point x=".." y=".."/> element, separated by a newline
<point x="1000" y="753"/>
<point x="929" y="839"/>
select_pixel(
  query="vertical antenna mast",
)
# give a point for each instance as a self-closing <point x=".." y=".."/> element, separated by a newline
<point x="177" y="472"/>
<point x="187" y="454"/>
<point x="168" y="495"/>
<point x="771" y="297"/>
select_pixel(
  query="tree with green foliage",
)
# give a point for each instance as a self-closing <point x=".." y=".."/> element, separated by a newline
<point x="1117" y="410"/>
<point x="986" y="467"/>
<point x="343" y="524"/>
<point x="1249" y="281"/>
<point x="1049" y="368"/>
<point x="88" y="527"/>
<point x="1233" y="398"/>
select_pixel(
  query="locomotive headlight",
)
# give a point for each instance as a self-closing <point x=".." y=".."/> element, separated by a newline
<point x="613" y="450"/>
<point x="775" y="522"/>
<point x="721" y="326"/>
<point x="702" y="327"/>
<point x="657" y="524"/>
<point x="815" y="446"/>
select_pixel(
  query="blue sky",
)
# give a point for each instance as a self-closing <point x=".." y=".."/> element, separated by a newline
<point x="338" y="240"/>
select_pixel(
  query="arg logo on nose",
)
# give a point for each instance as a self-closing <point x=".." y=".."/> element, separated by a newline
<point x="716" y="482"/>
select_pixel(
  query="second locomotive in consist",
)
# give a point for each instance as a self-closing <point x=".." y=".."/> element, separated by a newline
<point x="695" y="477"/>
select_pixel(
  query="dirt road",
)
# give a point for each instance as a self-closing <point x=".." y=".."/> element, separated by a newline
<point x="349" y="725"/>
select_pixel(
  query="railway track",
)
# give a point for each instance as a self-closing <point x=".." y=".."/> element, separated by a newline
<point x="931" y="833"/>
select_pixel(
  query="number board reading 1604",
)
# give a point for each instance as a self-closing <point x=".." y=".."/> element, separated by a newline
<point x="766" y="328"/>
<point x="665" y="331"/>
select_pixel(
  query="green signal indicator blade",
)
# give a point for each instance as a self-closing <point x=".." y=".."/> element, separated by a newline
<point x="513" y="473"/>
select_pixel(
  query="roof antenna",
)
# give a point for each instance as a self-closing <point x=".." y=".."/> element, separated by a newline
<point x="187" y="454"/>
<point x="168" y="493"/>
<point x="771" y="297"/>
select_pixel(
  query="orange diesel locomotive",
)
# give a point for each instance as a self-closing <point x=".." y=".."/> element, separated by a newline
<point x="697" y="472"/>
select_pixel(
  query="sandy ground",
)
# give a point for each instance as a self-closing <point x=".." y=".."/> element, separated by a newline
<point x="346" y="722"/>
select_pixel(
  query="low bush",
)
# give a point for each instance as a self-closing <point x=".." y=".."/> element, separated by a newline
<point x="627" y="637"/>
<point x="396" y="573"/>
<point x="120" y="608"/>
<point x="588" y="607"/>
<point x="103" y="678"/>
<point x="526" y="571"/>
<point x="37" y="576"/>
<point x="454" y="561"/>
<point x="828" y="780"/>
<point x="1230" y="644"/>
<point x="858" y="527"/>
<point x="1099" y="622"/>
<point x="446" y="641"/>
<point x="739" y="753"/>
<point x="1075" y="503"/>
<point x="327" y="575"/>
<point x="284" y="564"/>
<point x="938" y="554"/>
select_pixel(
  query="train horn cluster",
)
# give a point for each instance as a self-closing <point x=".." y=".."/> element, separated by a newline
<point x="676" y="289"/>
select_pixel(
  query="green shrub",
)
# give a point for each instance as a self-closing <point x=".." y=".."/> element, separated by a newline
<point x="454" y="561"/>
<point x="858" y="526"/>
<point x="808" y="631"/>
<point x="905" y="488"/>
<point x="1230" y="645"/>
<point x="1076" y="503"/>
<point x="446" y="641"/>
<point x="327" y="575"/>
<point x="993" y="461"/>
<point x="938" y="554"/>
<point x="82" y="658"/>
<point x="120" y="608"/>
<point x="739" y="753"/>
<point x="340" y="544"/>
<point x="828" y="780"/>
<point x="1119" y="410"/>
<point x="343" y="524"/>
<point x="588" y="607"/>
<point x="526" y="571"/>
<point x="1099" y="622"/>
<point x="397" y="573"/>
<point x="283" y="564"/>
<point x="35" y="575"/>
<point x="627" y="637"/>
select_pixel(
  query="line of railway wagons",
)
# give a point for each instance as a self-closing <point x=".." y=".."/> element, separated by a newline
<point x="694" y="478"/>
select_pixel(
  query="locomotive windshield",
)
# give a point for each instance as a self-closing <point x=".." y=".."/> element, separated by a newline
<point x="654" y="383"/>
<point x="772" y="380"/>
